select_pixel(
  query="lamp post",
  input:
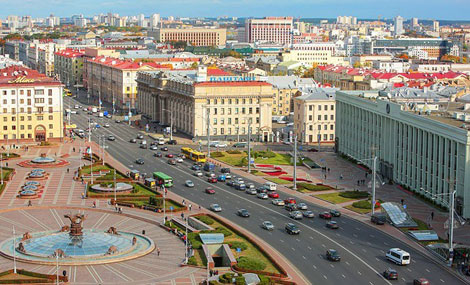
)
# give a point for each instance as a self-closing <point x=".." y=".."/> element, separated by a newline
<point x="249" y="148"/>
<point x="14" y="250"/>
<point x="186" y="242"/>
<point x="374" y="173"/>
<point x="295" y="163"/>
<point x="171" y="122"/>
<point x="164" y="208"/>
<point x="57" y="267"/>
<point x="114" y="178"/>
<point x="1" y="168"/>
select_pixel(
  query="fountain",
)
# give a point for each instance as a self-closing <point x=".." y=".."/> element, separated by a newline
<point x="75" y="245"/>
<point x="44" y="161"/>
<point x="120" y="188"/>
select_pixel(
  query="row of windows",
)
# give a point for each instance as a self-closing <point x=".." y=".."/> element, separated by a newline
<point x="325" y="107"/>
<point x="236" y="111"/>
<point x="22" y="136"/>
<point x="28" y="101"/>
<point x="319" y="118"/>
<point x="325" y="137"/>
<point x="325" y="127"/>
<point x="22" y="127"/>
<point x="235" y="131"/>
<point x="231" y="101"/>
<point x="29" y="118"/>
<point x="28" y="92"/>
<point x="236" y="121"/>
<point x="29" y="110"/>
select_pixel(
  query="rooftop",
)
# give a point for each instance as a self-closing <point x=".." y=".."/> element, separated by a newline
<point x="19" y="75"/>
<point x="318" y="93"/>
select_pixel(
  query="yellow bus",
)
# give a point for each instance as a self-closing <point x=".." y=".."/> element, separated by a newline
<point x="193" y="155"/>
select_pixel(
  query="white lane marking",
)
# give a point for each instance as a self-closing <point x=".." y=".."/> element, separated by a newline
<point x="442" y="281"/>
<point x="293" y="248"/>
<point x="281" y="240"/>
<point x="347" y="263"/>
<point x="304" y="257"/>
<point x="427" y="270"/>
<point x="354" y="235"/>
<point x="404" y="280"/>
<point x="314" y="266"/>
<point x="409" y="270"/>
<point x="343" y="275"/>
<point x="377" y="259"/>
<point x="364" y="250"/>
<point x="372" y="236"/>
<point x="309" y="247"/>
<point x="324" y="276"/>
<point x="359" y="272"/>
<point x="332" y="266"/>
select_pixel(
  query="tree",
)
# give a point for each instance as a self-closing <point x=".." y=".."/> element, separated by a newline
<point x="299" y="71"/>
<point x="194" y="65"/>
<point x="357" y="64"/>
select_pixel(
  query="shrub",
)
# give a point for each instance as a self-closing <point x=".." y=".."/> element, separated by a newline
<point x="245" y="262"/>
<point x="192" y="261"/>
<point x="365" y="204"/>
<point x="264" y="280"/>
<point x="155" y="201"/>
<point x="238" y="244"/>
<point x="195" y="240"/>
<point x="224" y="231"/>
<point x="262" y="153"/>
<point x="206" y="220"/>
<point x="233" y="151"/>
<point x="312" y="187"/>
<point x="217" y="154"/>
<point x="354" y="194"/>
<point x="226" y="278"/>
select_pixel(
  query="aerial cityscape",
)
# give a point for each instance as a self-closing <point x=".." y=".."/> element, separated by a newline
<point x="224" y="142"/>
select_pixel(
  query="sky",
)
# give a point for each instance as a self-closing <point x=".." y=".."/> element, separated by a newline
<point x="370" y="9"/>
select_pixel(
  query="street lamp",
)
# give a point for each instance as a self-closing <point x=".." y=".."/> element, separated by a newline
<point x="374" y="170"/>
<point x="171" y="122"/>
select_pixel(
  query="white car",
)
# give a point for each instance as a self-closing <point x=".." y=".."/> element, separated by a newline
<point x="76" y="107"/>
<point x="153" y="147"/>
<point x="262" y="196"/>
<point x="216" y="208"/>
<point x="189" y="183"/>
<point x="221" y="145"/>
<point x="179" y="159"/>
<point x="278" y="202"/>
<point x="106" y="125"/>
<point x="302" y="206"/>
<point x="250" y="191"/>
<point x="250" y="185"/>
<point x="198" y="174"/>
<point x="228" y="176"/>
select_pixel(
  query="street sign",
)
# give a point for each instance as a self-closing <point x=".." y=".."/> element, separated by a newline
<point x="252" y="160"/>
<point x="126" y="118"/>
<point x="239" y="249"/>
<point x="171" y="208"/>
<point x="105" y="113"/>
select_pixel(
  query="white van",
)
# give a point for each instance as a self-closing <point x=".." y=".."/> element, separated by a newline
<point x="161" y="141"/>
<point x="271" y="186"/>
<point x="398" y="256"/>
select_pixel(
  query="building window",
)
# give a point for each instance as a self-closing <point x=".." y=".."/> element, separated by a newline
<point x="13" y="127"/>
<point x="29" y="118"/>
<point x="51" y="126"/>
<point x="38" y="100"/>
<point x="21" y="127"/>
<point x="319" y="127"/>
<point x="51" y="117"/>
<point x="325" y="127"/>
<point x="13" y="119"/>
<point x="215" y="101"/>
<point x="331" y="137"/>
<point x="222" y="131"/>
<point x="30" y="127"/>
<point x="49" y="101"/>
<point x="257" y="110"/>
<point x="5" y="119"/>
<point x="332" y="117"/>
<point x="22" y="118"/>
<point x="250" y="110"/>
<point x="257" y="120"/>
<point x="325" y="137"/>
<point x="229" y="131"/>
<point x="310" y="108"/>
<point x="215" y="111"/>
<point x="29" y="136"/>
<point x="229" y="111"/>
<point x="13" y="101"/>
<point x="331" y="127"/>
<point x="39" y="92"/>
<point x="236" y="110"/>
<point x="29" y="92"/>
<point x="319" y="107"/>
<point x="5" y="128"/>
<point x="49" y="92"/>
<point x="40" y="118"/>
<point x="5" y="101"/>
<point x="310" y="117"/>
<point x="319" y="117"/>
<point x="51" y="135"/>
<point x="332" y="107"/>
<point x="236" y="121"/>
<point x="215" y="121"/>
<point x="326" y="117"/>
<point x="222" y="121"/>
<point x="311" y="129"/>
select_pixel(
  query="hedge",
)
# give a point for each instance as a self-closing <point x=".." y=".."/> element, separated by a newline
<point x="238" y="244"/>
<point x="205" y="219"/>
<point x="234" y="152"/>
<point x="250" y="263"/>
<point x="313" y="187"/>
<point x="364" y="204"/>
<point x="262" y="153"/>
<point x="192" y="261"/>
<point x="195" y="240"/>
<point x="217" y="154"/>
<point x="354" y="194"/>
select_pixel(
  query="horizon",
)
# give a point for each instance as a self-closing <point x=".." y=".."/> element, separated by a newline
<point x="313" y="9"/>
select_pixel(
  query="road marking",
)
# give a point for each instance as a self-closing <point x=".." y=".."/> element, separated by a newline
<point x="372" y="236"/>
<point x="442" y="281"/>
<point x="409" y="270"/>
<point x="309" y="247"/>
<point x="358" y="229"/>
<point x="304" y="257"/>
<point x="311" y="237"/>
<point x="385" y="243"/>
<point x="377" y="259"/>
<point x="351" y="242"/>
<point x="323" y="245"/>
<point x="314" y="266"/>
<point x="293" y="248"/>
<point x="404" y="280"/>
<point x="371" y="283"/>
<point x="332" y="266"/>
<point x="347" y="263"/>
<point x="324" y="276"/>
<point x="427" y="270"/>
<point x="281" y="240"/>
<point x="343" y="275"/>
<point x="297" y="239"/>
<point x="354" y="235"/>
<point x="368" y="243"/>
<point x="364" y="250"/>
<point x="359" y="272"/>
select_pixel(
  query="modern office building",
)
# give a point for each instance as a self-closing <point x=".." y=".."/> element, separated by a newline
<point x="399" y="26"/>
<point x="422" y="48"/>
<point x="194" y="36"/>
<point x="201" y="102"/>
<point x="426" y="150"/>
<point x="31" y="108"/>
<point x="310" y="54"/>
<point x="269" y="30"/>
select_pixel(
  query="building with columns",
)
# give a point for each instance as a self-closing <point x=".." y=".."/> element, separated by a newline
<point x="424" y="150"/>
<point x="199" y="101"/>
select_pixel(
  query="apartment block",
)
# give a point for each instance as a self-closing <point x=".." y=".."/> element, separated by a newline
<point x="194" y="36"/>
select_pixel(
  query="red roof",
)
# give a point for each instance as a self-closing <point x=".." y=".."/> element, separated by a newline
<point x="232" y="83"/>
<point x="217" y="72"/>
<point x="22" y="76"/>
<point x="70" y="53"/>
<point x="125" y="64"/>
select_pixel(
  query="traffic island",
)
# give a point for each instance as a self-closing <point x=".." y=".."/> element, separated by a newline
<point x="29" y="277"/>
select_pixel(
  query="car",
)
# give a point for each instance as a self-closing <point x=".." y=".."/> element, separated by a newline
<point x="273" y="195"/>
<point x="290" y="207"/>
<point x="250" y="191"/>
<point x="308" y="214"/>
<point x="230" y="183"/>
<point x="286" y="142"/>
<point x="267" y="225"/>
<point x="189" y="183"/>
<point x="296" y="215"/>
<point x="250" y="185"/>
<point x="378" y="218"/>
<point x="197" y="174"/>
<point x="172" y="142"/>
<point x="261" y="189"/>
<point x="292" y="229"/>
<point x="111" y="138"/>
<point x="76" y="107"/>
<point x="302" y="206"/>
<point x="143" y="146"/>
<point x="390" y="274"/>
<point x="290" y="200"/>
<point x="171" y="161"/>
<point x="139" y="161"/>
<point x="97" y="126"/>
<point x="239" y="180"/>
<point x="90" y="113"/>
<point x="106" y="125"/>
<point x="109" y="116"/>
<point x="262" y="196"/>
<point x="196" y="167"/>
<point x="243" y="213"/>
<point x="313" y="150"/>
<point x="179" y="160"/>
<point x="228" y="176"/>
<point x="278" y="202"/>
<point x="117" y="121"/>
<point x="140" y="136"/>
<point x="225" y="170"/>
<point x="133" y="141"/>
<point x="421" y="281"/>
<point x="210" y="190"/>
<point x="332" y="225"/>
<point x="158" y="154"/>
<point x="335" y="213"/>
<point x="212" y="180"/>
<point x="325" y="215"/>
<point x="215" y="208"/>
<point x="169" y="155"/>
<point x="210" y="174"/>
<point x="153" y="147"/>
<point x="241" y="187"/>
<point x="164" y="148"/>
<point x="332" y="255"/>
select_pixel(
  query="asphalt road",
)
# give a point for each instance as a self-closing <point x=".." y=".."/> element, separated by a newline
<point x="362" y="248"/>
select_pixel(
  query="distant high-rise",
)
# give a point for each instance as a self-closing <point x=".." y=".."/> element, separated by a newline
<point x="435" y="26"/>
<point x="414" y="23"/>
<point x="346" y="20"/>
<point x="399" y="26"/>
<point x="154" y="20"/>
<point x="269" y="29"/>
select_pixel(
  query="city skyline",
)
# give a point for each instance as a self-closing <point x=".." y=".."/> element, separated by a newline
<point x="212" y="8"/>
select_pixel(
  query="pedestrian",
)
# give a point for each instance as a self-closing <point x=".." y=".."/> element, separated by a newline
<point x="182" y="216"/>
<point x="7" y="164"/>
<point x="30" y="203"/>
<point x="73" y="149"/>
<point x="402" y="201"/>
<point x="116" y="207"/>
<point x="68" y="170"/>
<point x="432" y="215"/>
<point x="94" y="204"/>
<point x="120" y="210"/>
<point x="64" y="273"/>
<point x="184" y="202"/>
<point x="199" y="207"/>
<point x="143" y="232"/>
<point x="341" y="177"/>
<point x="190" y="206"/>
<point x="328" y="170"/>
<point x="83" y="195"/>
<point x="158" y="251"/>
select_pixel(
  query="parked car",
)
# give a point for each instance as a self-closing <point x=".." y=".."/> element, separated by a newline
<point x="263" y="196"/>
<point x="172" y="142"/>
<point x="243" y="213"/>
<point x="292" y="229"/>
<point x="302" y="206"/>
<point x="139" y="161"/>
<point x="250" y="185"/>
<point x="308" y="214"/>
<point x="179" y="160"/>
<point x="261" y="189"/>
<point x="221" y="178"/>
<point x="197" y="174"/>
<point x="106" y="125"/>
<point x="212" y="180"/>
<point x="332" y="254"/>
<point x="378" y="218"/>
<point x="390" y="274"/>
<point x="251" y="191"/>
<point x="228" y="176"/>
<point x="296" y="215"/>
<point x="421" y="281"/>
<point x="169" y="155"/>
<point x="143" y="146"/>
<point x="117" y="121"/>
<point x="278" y="202"/>
<point x="241" y="187"/>
<point x="230" y="183"/>
<point x="267" y="225"/>
<point x="325" y="215"/>
<point x="210" y="174"/>
<point x="153" y="147"/>
<point x="273" y="195"/>
<point x="335" y="213"/>
<point x="158" y="154"/>
<point x="196" y="167"/>
<point x="140" y="136"/>
<point x="210" y="190"/>
<point x="216" y="208"/>
<point x="164" y="148"/>
<point x="332" y="225"/>
<point x="189" y="183"/>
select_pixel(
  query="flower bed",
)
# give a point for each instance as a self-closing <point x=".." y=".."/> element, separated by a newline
<point x="140" y="190"/>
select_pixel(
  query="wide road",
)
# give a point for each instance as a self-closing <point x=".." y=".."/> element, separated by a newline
<point x="361" y="246"/>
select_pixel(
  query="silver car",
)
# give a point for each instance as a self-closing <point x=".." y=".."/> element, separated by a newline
<point x="189" y="183"/>
<point x="216" y="208"/>
<point x="278" y="202"/>
<point x="267" y="225"/>
<point x="296" y="215"/>
<point x="198" y="174"/>
<point x="228" y="176"/>
<point x="308" y="214"/>
<point x="262" y="195"/>
<point x="251" y="191"/>
<point x="250" y="185"/>
<point x="302" y="206"/>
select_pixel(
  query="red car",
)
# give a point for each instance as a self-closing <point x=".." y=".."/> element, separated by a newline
<point x="212" y="180"/>
<point x="210" y="190"/>
<point x="273" y="195"/>
<point x="169" y="155"/>
<point x="290" y="200"/>
<point x="325" y="215"/>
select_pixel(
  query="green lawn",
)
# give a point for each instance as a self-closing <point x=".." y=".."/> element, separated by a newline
<point x="139" y="190"/>
<point x="6" y="172"/>
<point x="333" y="198"/>
<point x="241" y="159"/>
<point x="358" y="210"/>
<point x="139" y="203"/>
<point x="234" y="159"/>
<point x="278" y="180"/>
<point x="110" y="176"/>
<point x="258" y="173"/>
<point x="96" y="168"/>
<point x="308" y="187"/>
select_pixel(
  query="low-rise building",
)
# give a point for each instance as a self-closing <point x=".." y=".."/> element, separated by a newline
<point x="31" y="107"/>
